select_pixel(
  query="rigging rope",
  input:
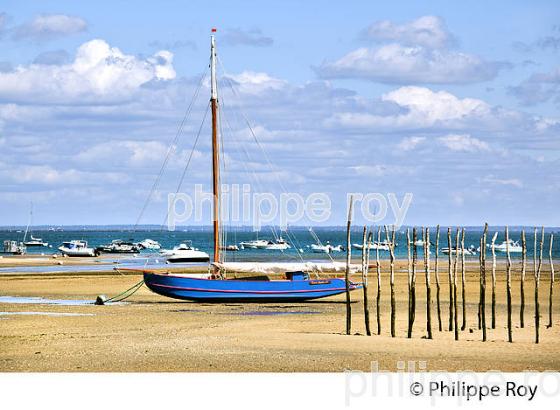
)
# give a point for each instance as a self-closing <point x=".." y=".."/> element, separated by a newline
<point x="294" y="239"/>
<point x="170" y="149"/>
<point x="188" y="162"/>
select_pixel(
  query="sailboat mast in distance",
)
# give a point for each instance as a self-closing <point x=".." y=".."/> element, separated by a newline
<point x="215" y="148"/>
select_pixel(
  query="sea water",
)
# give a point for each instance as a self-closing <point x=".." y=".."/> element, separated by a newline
<point x="299" y="238"/>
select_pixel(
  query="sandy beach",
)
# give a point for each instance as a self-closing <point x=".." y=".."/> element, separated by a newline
<point x="153" y="333"/>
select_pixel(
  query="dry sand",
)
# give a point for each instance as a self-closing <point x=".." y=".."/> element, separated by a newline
<point x="153" y="333"/>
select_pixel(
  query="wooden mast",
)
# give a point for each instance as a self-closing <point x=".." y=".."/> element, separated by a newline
<point x="215" y="148"/>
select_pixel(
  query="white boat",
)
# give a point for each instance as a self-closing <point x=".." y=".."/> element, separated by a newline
<point x="119" y="246"/>
<point x="76" y="248"/>
<point x="278" y="245"/>
<point x="149" y="244"/>
<point x="470" y="251"/>
<point x="14" y="247"/>
<point x="254" y="244"/>
<point x="327" y="248"/>
<point x="513" y="246"/>
<point x="382" y="246"/>
<point x="230" y="248"/>
<point x="33" y="241"/>
<point x="185" y="253"/>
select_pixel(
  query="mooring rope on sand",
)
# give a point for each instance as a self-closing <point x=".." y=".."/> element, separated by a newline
<point x="101" y="300"/>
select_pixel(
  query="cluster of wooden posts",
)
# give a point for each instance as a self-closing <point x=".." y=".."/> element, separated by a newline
<point x="452" y="272"/>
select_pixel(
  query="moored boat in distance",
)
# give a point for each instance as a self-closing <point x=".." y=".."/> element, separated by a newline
<point x="149" y="244"/>
<point x="185" y="253"/>
<point x="513" y="246"/>
<point x="382" y="246"/>
<point x="254" y="244"/>
<point x="277" y="245"/>
<point x="14" y="247"/>
<point x="470" y="251"/>
<point x="35" y="242"/>
<point x="118" y="246"/>
<point x="326" y="248"/>
<point x="76" y="248"/>
<point x="230" y="248"/>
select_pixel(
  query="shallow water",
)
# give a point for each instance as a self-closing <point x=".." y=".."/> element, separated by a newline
<point x="43" y="301"/>
<point x="44" y="314"/>
<point x="275" y="313"/>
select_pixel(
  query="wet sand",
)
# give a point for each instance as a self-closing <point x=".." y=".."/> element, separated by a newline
<point x="153" y="333"/>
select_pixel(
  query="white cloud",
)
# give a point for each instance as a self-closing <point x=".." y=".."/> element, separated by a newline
<point x="492" y="180"/>
<point x="417" y="52"/>
<point x="253" y="37"/>
<point x="46" y="26"/>
<point x="463" y="143"/>
<point x="45" y="174"/>
<point x="539" y="88"/>
<point x="410" y="143"/>
<point x="99" y="73"/>
<point x="133" y="154"/>
<point x="250" y="82"/>
<point x="428" y="31"/>
<point x="381" y="170"/>
<point x="423" y="108"/>
<point x="395" y="63"/>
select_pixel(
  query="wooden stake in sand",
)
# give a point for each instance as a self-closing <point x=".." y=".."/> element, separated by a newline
<point x="436" y="272"/>
<point x="551" y="282"/>
<point x="378" y="268"/>
<point x="391" y="240"/>
<point x="493" y="247"/>
<point x="508" y="286"/>
<point x="537" y="281"/>
<point x="412" y="294"/>
<point x="409" y="279"/>
<point x="463" y="291"/>
<point x="483" y="282"/>
<point x="365" y="271"/>
<point x="426" y="240"/>
<point x="347" y="274"/>
<point x="522" y="279"/>
<point x="455" y="314"/>
<point x="450" y="279"/>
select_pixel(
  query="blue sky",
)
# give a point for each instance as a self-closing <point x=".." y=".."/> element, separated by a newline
<point x="456" y="102"/>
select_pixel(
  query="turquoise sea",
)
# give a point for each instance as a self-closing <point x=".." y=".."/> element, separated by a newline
<point x="298" y="237"/>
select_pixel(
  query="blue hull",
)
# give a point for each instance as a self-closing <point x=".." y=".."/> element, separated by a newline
<point x="210" y="290"/>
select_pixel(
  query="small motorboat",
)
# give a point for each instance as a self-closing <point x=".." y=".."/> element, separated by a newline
<point x="278" y="245"/>
<point x="185" y="253"/>
<point x="35" y="242"/>
<point x="327" y="248"/>
<point x="514" y="247"/>
<point x="230" y="248"/>
<point x="149" y="244"/>
<point x="118" y="246"/>
<point x="14" y="247"/>
<point x="382" y="246"/>
<point x="470" y="251"/>
<point x="77" y="248"/>
<point x="254" y="244"/>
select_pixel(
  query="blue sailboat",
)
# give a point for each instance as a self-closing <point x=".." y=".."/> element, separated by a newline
<point x="296" y="285"/>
